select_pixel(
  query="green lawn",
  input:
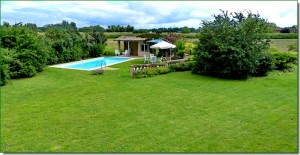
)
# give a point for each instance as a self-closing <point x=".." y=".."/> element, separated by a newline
<point x="73" y="111"/>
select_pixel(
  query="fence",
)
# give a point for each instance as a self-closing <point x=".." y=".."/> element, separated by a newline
<point x="141" y="67"/>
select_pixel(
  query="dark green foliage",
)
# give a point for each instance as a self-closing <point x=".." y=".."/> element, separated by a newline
<point x="118" y="28"/>
<point x="264" y="63"/>
<point x="23" y="52"/>
<point x="91" y="28"/>
<point x="140" y="31"/>
<point x="65" y="45"/>
<point x="182" y="66"/>
<point x="185" y="30"/>
<point x="95" y="42"/>
<point x="70" y="45"/>
<point x="230" y="45"/>
<point x="64" y="25"/>
<point x="4" y="70"/>
<point x="284" y="60"/>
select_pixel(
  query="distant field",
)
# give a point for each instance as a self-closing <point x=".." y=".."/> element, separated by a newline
<point x="112" y="45"/>
<point x="281" y="44"/>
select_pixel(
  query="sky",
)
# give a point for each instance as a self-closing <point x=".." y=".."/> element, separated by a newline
<point x="141" y="14"/>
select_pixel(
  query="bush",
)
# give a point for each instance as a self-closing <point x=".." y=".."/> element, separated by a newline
<point x="23" y="51"/>
<point x="4" y="71"/>
<point x="149" y="72"/>
<point x="284" y="60"/>
<point x="229" y="46"/>
<point x="293" y="47"/>
<point x="264" y="63"/>
<point x="189" y="47"/>
<point x="182" y="66"/>
<point x="163" y="70"/>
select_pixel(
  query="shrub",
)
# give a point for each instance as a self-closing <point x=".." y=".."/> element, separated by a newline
<point x="229" y="46"/>
<point x="264" y="63"/>
<point x="4" y="71"/>
<point x="293" y="47"/>
<point x="180" y="46"/>
<point x="189" y="47"/>
<point x="24" y="52"/>
<point x="149" y="72"/>
<point x="182" y="66"/>
<point x="284" y="60"/>
<point x="163" y="70"/>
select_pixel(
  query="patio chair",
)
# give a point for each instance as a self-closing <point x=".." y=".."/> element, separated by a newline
<point x="146" y="59"/>
<point x="117" y="52"/>
<point x="153" y="59"/>
<point x="151" y="55"/>
<point x="125" y="53"/>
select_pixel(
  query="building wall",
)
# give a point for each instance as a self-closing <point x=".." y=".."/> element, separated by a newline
<point x="140" y="53"/>
<point x="136" y="49"/>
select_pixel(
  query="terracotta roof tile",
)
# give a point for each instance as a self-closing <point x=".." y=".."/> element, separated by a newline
<point x="130" y="38"/>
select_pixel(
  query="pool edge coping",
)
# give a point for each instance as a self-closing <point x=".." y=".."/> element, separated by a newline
<point x="87" y="60"/>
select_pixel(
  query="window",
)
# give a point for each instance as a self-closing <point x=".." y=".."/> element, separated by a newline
<point x="144" y="48"/>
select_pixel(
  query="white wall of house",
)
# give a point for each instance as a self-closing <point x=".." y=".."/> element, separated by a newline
<point x="145" y="50"/>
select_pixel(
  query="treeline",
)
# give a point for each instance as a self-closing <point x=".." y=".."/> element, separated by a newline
<point x="65" y="25"/>
<point x="24" y="52"/>
<point x="184" y="29"/>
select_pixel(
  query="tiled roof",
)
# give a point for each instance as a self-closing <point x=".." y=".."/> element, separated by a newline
<point x="130" y="38"/>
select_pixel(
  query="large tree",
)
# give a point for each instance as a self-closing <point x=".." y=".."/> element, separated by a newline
<point x="232" y="46"/>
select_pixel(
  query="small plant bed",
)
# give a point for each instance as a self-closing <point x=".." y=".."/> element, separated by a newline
<point x="162" y="69"/>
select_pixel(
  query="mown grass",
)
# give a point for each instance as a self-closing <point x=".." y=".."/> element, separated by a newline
<point x="63" y="110"/>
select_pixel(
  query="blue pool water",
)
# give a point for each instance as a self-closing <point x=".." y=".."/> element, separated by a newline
<point x="93" y="63"/>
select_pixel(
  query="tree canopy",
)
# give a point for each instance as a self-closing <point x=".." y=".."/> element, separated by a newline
<point x="233" y="45"/>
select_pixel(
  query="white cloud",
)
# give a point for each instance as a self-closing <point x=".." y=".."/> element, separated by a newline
<point x="143" y="14"/>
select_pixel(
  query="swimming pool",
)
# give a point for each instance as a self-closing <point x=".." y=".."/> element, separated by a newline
<point x="93" y="63"/>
